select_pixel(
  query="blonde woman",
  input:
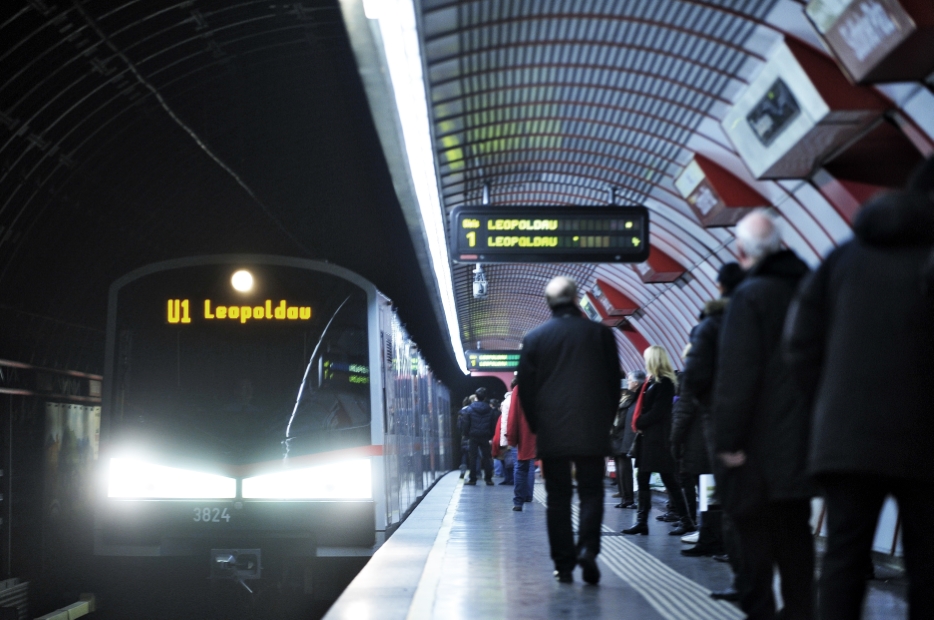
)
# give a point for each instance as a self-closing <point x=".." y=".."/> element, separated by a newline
<point x="652" y="421"/>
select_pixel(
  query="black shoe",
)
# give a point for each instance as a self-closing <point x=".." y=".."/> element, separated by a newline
<point x="681" y="529"/>
<point x="722" y="558"/>
<point x="700" y="551"/>
<point x="462" y="474"/>
<point x="490" y="483"/>
<point x="470" y="483"/>
<point x="588" y="564"/>
<point x="517" y="508"/>
<point x="725" y="595"/>
<point x="668" y="517"/>
<point x="632" y="505"/>
<point x="638" y="528"/>
<point x="564" y="576"/>
<point x="509" y="483"/>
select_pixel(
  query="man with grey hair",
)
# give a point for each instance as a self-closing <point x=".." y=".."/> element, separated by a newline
<point x="761" y="425"/>
<point x="569" y="381"/>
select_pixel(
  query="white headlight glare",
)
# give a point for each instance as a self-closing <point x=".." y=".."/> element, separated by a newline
<point x="136" y="479"/>
<point x="343" y="480"/>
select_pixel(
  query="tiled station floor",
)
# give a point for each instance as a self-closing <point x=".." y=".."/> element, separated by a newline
<point x="464" y="553"/>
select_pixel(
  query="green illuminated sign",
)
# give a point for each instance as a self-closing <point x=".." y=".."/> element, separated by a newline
<point x="492" y="360"/>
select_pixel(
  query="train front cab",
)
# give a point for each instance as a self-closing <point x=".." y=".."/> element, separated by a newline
<point x="194" y="506"/>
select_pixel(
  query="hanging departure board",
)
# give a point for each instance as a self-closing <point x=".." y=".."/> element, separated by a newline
<point x="492" y="360"/>
<point x="504" y="234"/>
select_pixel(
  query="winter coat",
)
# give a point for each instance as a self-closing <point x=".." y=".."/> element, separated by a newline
<point x="860" y="340"/>
<point x="688" y="440"/>
<point x="691" y="433"/>
<point x="569" y="375"/>
<point x="654" y="453"/>
<point x="621" y="434"/>
<point x="758" y="408"/>
<point x="518" y="432"/>
<point x="479" y="421"/>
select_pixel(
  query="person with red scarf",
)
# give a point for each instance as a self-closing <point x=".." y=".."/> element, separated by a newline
<point x="652" y="421"/>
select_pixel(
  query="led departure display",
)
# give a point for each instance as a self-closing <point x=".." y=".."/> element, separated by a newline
<point x="181" y="311"/>
<point x="503" y="234"/>
<point x="492" y="360"/>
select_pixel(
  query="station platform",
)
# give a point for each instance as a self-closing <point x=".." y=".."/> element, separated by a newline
<point x="464" y="553"/>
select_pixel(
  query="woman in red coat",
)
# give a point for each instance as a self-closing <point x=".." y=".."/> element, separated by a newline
<point x="518" y="434"/>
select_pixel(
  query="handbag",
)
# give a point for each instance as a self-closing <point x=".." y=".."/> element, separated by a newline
<point x="636" y="447"/>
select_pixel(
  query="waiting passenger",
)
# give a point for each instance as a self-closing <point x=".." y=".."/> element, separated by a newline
<point x="478" y="427"/>
<point x="519" y="434"/>
<point x="697" y="381"/>
<point x="761" y="425"/>
<point x="651" y="421"/>
<point x="465" y="440"/>
<point x="569" y="380"/>
<point x="500" y="442"/>
<point x="863" y="314"/>
<point x="622" y="437"/>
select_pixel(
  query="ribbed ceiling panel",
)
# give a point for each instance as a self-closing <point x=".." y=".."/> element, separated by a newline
<point x="556" y="102"/>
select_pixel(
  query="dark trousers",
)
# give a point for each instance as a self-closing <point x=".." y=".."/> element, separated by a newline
<point x="645" y="494"/>
<point x="853" y="503"/>
<point x="557" y="473"/>
<point x="688" y="484"/>
<point x="624" y="478"/>
<point x="779" y="534"/>
<point x="734" y="550"/>
<point x="486" y="458"/>
<point x="524" y="475"/>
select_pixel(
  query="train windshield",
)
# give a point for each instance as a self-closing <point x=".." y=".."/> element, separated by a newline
<point x="206" y="371"/>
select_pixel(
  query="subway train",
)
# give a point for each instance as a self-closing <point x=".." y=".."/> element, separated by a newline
<point x="260" y="405"/>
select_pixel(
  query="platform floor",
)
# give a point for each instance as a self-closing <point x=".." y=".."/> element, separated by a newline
<point x="464" y="553"/>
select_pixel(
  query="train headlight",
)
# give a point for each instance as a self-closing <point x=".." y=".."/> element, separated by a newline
<point x="136" y="479"/>
<point x="342" y="480"/>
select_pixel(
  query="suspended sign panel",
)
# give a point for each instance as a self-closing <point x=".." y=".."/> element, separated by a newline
<point x="503" y="234"/>
<point x="492" y="360"/>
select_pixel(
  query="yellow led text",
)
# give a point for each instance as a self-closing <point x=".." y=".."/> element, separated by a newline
<point x="522" y="224"/>
<point x="281" y="312"/>
<point x="522" y="242"/>
<point x="179" y="311"/>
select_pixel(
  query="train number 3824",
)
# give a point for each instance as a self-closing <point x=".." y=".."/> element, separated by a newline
<point x="211" y="515"/>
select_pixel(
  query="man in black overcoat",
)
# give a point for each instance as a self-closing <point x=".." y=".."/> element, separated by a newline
<point x="860" y="339"/>
<point x="761" y="425"/>
<point x="569" y="375"/>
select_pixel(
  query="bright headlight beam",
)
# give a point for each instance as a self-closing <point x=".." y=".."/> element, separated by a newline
<point x="399" y="34"/>
<point x="130" y="479"/>
<point x="343" y="480"/>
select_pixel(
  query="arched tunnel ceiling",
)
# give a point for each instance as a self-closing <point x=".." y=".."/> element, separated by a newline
<point x="139" y="131"/>
<point x="562" y="102"/>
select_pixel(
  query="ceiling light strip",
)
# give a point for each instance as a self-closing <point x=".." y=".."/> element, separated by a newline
<point x="397" y="25"/>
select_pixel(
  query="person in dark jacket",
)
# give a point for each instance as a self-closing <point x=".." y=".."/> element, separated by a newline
<point x="479" y="421"/>
<point x="652" y="421"/>
<point x="863" y="311"/>
<point x="569" y="379"/>
<point x="697" y="382"/>
<point x="761" y="424"/>
<point x="622" y="437"/>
